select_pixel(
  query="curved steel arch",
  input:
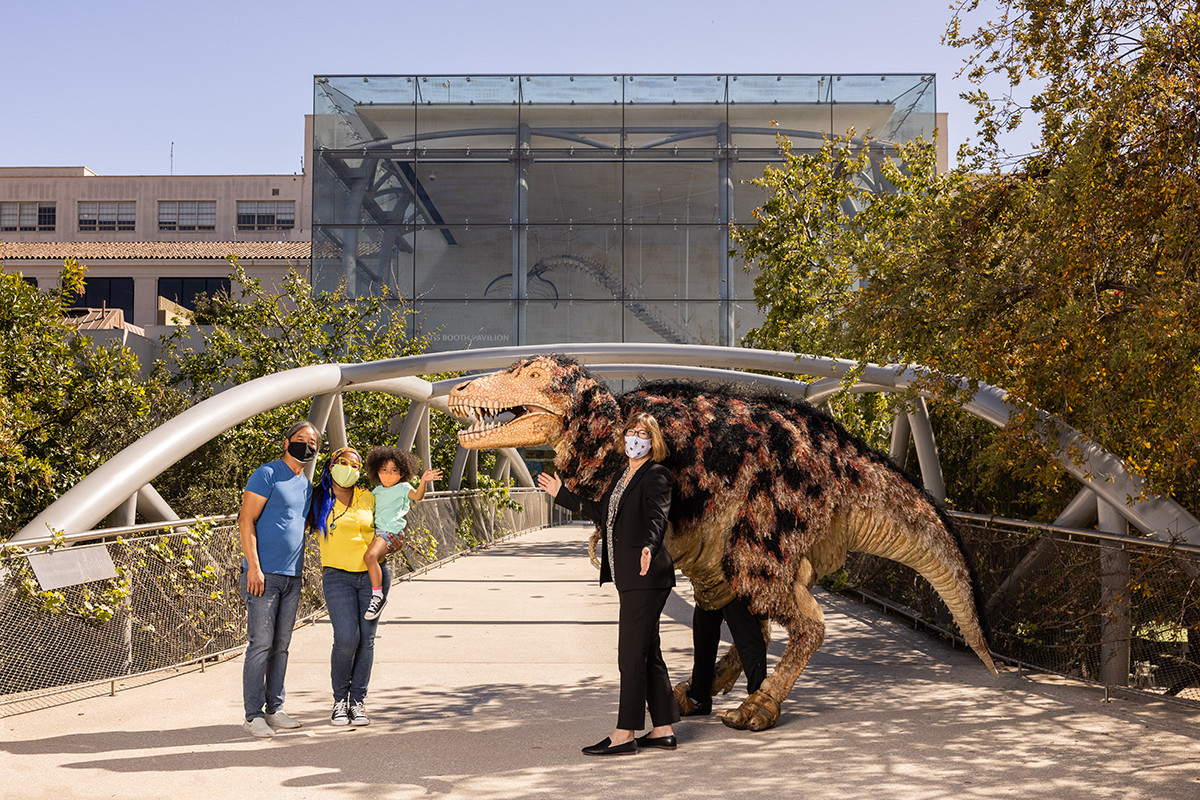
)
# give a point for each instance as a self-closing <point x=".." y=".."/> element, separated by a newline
<point x="85" y="504"/>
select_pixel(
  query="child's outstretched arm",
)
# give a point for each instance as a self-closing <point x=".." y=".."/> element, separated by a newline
<point x="427" y="477"/>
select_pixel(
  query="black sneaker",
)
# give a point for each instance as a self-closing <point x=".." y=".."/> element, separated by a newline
<point x="358" y="714"/>
<point x="375" y="607"/>
<point x="340" y="714"/>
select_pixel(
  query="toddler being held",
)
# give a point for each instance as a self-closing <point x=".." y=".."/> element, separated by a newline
<point x="390" y="470"/>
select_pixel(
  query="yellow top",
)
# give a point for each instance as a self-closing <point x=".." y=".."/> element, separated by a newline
<point x="350" y="530"/>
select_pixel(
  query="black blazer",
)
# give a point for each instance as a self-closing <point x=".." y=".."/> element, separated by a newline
<point x="641" y="522"/>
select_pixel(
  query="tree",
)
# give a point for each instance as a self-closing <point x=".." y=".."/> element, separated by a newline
<point x="259" y="333"/>
<point x="65" y="404"/>
<point x="1070" y="279"/>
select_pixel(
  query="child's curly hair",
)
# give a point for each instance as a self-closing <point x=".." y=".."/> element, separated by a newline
<point x="406" y="462"/>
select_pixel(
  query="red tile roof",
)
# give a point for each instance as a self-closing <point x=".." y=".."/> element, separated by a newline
<point x="100" y="251"/>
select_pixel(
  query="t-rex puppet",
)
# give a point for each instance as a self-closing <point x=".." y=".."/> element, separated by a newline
<point x="770" y="495"/>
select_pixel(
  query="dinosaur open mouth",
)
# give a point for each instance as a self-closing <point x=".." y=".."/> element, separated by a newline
<point x="492" y="418"/>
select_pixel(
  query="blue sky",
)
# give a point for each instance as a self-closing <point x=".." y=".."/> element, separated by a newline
<point x="111" y="86"/>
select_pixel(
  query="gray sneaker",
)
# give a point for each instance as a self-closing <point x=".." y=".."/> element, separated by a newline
<point x="358" y="714"/>
<point x="340" y="714"/>
<point x="280" y="721"/>
<point x="258" y="728"/>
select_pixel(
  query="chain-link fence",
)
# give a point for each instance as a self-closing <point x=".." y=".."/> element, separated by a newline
<point x="175" y="599"/>
<point x="1117" y="611"/>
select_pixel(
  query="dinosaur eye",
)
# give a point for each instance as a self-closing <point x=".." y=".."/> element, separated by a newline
<point x="535" y="374"/>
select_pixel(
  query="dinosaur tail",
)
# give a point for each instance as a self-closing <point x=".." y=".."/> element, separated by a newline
<point x="915" y="535"/>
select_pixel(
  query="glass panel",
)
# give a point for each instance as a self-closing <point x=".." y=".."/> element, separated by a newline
<point x="246" y="216"/>
<point x="743" y="281"/>
<point x="747" y="196"/>
<point x="569" y="190"/>
<point x="798" y="105"/>
<point x="467" y="112"/>
<point x="673" y="192"/>
<point x="10" y="215"/>
<point x="381" y="258"/>
<point x="353" y="111"/>
<point x="457" y="262"/>
<point x="574" y="262"/>
<point x="47" y="214"/>
<point x="29" y="216"/>
<point x="207" y="216"/>
<point x="581" y="112"/>
<point x="892" y="108"/>
<point x="746" y="317"/>
<point x="457" y="325"/>
<point x="674" y="322"/>
<point x="126" y="216"/>
<point x="550" y="322"/>
<point x="684" y="112"/>
<point x="674" y="262"/>
<point x="455" y="191"/>
<point x="108" y="217"/>
<point x="88" y="213"/>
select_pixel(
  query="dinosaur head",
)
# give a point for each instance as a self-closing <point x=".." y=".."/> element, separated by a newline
<point x="533" y="391"/>
<point x="553" y="401"/>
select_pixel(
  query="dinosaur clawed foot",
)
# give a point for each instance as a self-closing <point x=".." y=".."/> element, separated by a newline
<point x="757" y="712"/>
<point x="687" y="706"/>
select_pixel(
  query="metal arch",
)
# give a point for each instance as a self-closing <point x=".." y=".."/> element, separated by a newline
<point x="96" y="495"/>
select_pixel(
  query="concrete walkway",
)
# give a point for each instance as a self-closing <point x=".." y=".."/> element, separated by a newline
<point x="492" y="671"/>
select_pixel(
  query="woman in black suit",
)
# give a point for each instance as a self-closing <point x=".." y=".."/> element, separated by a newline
<point x="632" y="516"/>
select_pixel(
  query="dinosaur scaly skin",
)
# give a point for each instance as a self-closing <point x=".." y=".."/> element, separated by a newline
<point x="770" y="495"/>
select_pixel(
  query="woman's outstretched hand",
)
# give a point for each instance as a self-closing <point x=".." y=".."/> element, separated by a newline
<point x="550" y="484"/>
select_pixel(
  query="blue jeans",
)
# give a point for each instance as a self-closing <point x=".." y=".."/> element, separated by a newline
<point x="270" y="619"/>
<point x="347" y="595"/>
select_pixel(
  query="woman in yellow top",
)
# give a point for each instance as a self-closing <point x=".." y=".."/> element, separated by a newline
<point x="343" y="517"/>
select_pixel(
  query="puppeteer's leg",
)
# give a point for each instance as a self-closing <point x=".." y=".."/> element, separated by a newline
<point x="806" y="630"/>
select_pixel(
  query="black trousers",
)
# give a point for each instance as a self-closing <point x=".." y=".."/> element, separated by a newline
<point x="746" y="629"/>
<point x="644" y="679"/>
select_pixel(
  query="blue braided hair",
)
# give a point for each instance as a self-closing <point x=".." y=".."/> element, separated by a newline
<point x="323" y="498"/>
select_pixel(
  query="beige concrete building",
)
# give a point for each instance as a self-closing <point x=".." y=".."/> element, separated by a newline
<point x="149" y="236"/>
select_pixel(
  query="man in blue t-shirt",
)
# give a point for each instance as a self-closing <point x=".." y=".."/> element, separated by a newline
<point x="271" y="525"/>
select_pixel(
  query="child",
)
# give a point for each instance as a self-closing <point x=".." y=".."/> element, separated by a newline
<point x="390" y="469"/>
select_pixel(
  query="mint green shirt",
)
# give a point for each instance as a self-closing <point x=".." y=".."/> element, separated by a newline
<point x="391" y="506"/>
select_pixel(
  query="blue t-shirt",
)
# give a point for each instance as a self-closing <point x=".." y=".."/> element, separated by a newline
<point x="280" y="527"/>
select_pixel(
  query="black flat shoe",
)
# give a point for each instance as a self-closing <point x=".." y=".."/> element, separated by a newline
<point x="605" y="749"/>
<point x="668" y="742"/>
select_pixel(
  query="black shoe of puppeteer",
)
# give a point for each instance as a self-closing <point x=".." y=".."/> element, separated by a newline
<point x="698" y="709"/>
<point x="606" y="749"/>
<point x="668" y="742"/>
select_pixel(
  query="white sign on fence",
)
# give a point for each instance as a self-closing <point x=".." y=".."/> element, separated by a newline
<point x="72" y="565"/>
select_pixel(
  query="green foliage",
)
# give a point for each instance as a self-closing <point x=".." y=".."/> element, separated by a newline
<point x="1069" y="280"/>
<point x="261" y="332"/>
<point x="65" y="404"/>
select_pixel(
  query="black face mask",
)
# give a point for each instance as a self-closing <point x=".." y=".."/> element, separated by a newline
<point x="302" y="451"/>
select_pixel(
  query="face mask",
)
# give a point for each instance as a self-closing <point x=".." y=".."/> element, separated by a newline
<point x="344" y="476"/>
<point x="302" y="451"/>
<point x="636" y="447"/>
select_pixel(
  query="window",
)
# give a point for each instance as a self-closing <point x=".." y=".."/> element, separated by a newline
<point x="193" y="215"/>
<point x="106" y="216"/>
<point x="184" y="290"/>
<point x="107" y="293"/>
<point x="268" y="216"/>
<point x="27" y="216"/>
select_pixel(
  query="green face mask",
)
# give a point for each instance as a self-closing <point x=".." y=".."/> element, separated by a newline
<point x="344" y="476"/>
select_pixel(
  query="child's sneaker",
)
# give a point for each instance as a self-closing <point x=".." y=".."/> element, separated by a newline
<point x="375" y="607"/>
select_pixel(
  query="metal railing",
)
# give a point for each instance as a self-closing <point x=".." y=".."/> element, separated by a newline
<point x="1117" y="611"/>
<point x="175" y="600"/>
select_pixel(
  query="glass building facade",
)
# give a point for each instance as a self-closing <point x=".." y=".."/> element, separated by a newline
<point x="535" y="209"/>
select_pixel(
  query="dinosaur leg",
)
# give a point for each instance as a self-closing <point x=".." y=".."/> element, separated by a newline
<point x="806" y="630"/>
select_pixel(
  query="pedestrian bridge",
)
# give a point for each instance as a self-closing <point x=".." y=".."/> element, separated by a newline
<point x="454" y="716"/>
<point x="492" y="670"/>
